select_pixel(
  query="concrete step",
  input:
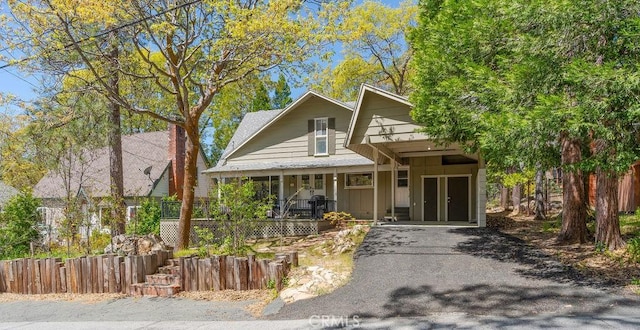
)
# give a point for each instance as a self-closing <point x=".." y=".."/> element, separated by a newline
<point x="163" y="279"/>
<point x="154" y="290"/>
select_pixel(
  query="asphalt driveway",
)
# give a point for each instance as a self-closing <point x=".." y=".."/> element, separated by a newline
<point x="423" y="271"/>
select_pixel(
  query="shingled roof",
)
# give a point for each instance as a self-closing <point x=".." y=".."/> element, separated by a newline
<point x="139" y="151"/>
<point x="250" y="124"/>
<point x="6" y="192"/>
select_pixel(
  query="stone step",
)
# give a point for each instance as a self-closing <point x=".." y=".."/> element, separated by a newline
<point x="154" y="290"/>
<point x="162" y="279"/>
<point x="169" y="270"/>
<point x="172" y="262"/>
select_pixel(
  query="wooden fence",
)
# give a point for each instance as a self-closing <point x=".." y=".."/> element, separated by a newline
<point x="235" y="273"/>
<point x="90" y="274"/>
<point x="134" y="274"/>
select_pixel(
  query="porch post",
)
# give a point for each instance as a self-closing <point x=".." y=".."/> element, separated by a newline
<point x="281" y="193"/>
<point x="393" y="189"/>
<point x="219" y="183"/>
<point x="335" y="189"/>
<point x="481" y="194"/>
<point x="375" y="186"/>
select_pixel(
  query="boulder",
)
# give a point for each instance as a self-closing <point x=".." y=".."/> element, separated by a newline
<point x="135" y="245"/>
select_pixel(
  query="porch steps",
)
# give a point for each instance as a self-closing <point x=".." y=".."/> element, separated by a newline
<point x="165" y="283"/>
<point x="401" y="214"/>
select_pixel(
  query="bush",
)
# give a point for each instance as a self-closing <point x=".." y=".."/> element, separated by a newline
<point x="19" y="226"/>
<point x="147" y="219"/>
<point x="338" y="218"/>
<point x="633" y="248"/>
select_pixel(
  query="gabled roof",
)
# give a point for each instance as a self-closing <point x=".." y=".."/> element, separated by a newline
<point x="250" y="124"/>
<point x="90" y="172"/>
<point x="280" y="114"/>
<point x="6" y="193"/>
<point x="364" y="89"/>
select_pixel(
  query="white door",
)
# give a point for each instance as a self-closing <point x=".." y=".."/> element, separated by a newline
<point x="311" y="184"/>
<point x="402" y="188"/>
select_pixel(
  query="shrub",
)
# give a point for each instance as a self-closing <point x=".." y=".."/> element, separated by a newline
<point x="633" y="248"/>
<point x="338" y="218"/>
<point x="147" y="219"/>
<point x="19" y="223"/>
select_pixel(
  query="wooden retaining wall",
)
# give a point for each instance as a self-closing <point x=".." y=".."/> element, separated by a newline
<point x="235" y="273"/>
<point x="91" y="274"/>
<point x="116" y="274"/>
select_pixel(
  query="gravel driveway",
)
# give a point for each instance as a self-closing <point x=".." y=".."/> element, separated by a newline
<point x="416" y="271"/>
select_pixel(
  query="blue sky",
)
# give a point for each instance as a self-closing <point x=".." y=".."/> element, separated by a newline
<point x="22" y="85"/>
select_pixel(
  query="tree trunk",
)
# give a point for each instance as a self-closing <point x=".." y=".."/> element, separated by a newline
<point x="574" y="212"/>
<point x="607" y="221"/>
<point x="516" y="198"/>
<point x="115" y="151"/>
<point x="504" y="197"/>
<point x="539" y="196"/>
<point x="188" y="194"/>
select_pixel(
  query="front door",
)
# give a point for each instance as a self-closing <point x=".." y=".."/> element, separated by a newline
<point x="430" y="199"/>
<point x="458" y="198"/>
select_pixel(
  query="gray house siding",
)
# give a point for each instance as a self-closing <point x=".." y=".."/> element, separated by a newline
<point x="384" y="120"/>
<point x="287" y="137"/>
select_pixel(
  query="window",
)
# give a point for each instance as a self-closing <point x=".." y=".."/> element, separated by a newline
<point x="359" y="180"/>
<point x="321" y="136"/>
<point x="313" y="181"/>
<point x="403" y="178"/>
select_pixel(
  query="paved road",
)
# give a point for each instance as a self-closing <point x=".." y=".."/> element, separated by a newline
<point x="473" y="273"/>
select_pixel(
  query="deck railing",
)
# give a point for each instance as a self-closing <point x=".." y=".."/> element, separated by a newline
<point x="283" y="209"/>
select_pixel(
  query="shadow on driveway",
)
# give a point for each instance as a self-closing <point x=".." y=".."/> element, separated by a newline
<point x="423" y="271"/>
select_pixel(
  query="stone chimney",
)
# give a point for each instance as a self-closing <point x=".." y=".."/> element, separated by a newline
<point x="177" y="140"/>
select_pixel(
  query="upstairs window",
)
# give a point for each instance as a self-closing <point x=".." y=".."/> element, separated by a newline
<point x="321" y="136"/>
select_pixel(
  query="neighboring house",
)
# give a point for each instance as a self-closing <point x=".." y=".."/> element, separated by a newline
<point x="366" y="158"/>
<point x="153" y="166"/>
<point x="6" y="193"/>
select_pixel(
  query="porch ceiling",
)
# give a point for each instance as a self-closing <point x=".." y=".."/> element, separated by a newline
<point x="418" y="148"/>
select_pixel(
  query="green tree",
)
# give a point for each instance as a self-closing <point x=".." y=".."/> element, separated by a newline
<point x="238" y="208"/>
<point x="19" y="222"/>
<point x="203" y="46"/>
<point x="375" y="50"/>
<point x="229" y="107"/>
<point x="147" y="218"/>
<point x="560" y="80"/>
<point x="281" y="93"/>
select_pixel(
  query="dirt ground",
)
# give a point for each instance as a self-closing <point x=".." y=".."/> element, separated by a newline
<point x="614" y="267"/>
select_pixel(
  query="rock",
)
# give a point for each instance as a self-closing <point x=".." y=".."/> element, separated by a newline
<point x="130" y="245"/>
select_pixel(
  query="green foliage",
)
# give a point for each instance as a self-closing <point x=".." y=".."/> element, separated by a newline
<point x="99" y="241"/>
<point x="375" y="50"/>
<point x="271" y="284"/>
<point x="601" y="247"/>
<point x="19" y="225"/>
<point x="147" y="219"/>
<point x="633" y="248"/>
<point x="552" y="225"/>
<point x="238" y="208"/>
<point x="281" y="93"/>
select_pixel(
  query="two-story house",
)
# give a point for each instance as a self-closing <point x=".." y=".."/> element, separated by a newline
<point x="366" y="158"/>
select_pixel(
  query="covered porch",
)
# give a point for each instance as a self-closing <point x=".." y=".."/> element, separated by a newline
<point x="438" y="184"/>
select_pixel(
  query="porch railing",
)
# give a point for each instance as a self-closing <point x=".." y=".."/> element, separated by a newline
<point x="284" y="209"/>
<point x="303" y="208"/>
